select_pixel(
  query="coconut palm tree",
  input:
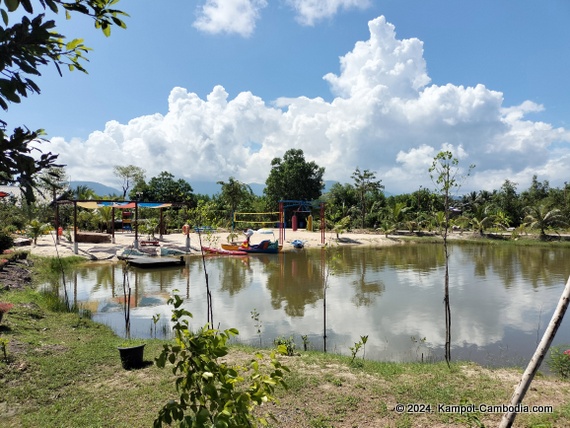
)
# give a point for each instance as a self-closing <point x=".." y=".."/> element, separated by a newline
<point x="341" y="226"/>
<point x="482" y="218"/>
<point x="386" y="228"/>
<point x="36" y="229"/>
<point x="82" y="192"/>
<point x="542" y="218"/>
<point x="106" y="216"/>
<point x="395" y="214"/>
<point x="501" y="220"/>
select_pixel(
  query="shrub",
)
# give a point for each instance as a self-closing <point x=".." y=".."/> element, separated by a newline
<point x="559" y="360"/>
<point x="213" y="393"/>
<point x="289" y="344"/>
<point x="6" y="242"/>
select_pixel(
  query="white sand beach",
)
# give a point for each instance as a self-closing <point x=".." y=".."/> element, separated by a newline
<point x="46" y="244"/>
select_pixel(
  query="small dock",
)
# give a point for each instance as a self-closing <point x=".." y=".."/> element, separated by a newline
<point x="147" y="262"/>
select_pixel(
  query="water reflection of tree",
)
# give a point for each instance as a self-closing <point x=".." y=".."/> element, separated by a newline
<point x="538" y="265"/>
<point x="544" y="266"/>
<point x="366" y="290"/>
<point x="233" y="277"/>
<point x="422" y="259"/>
<point x="295" y="282"/>
<point x="104" y="278"/>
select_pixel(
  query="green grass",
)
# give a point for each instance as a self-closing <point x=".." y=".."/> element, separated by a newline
<point x="63" y="370"/>
<point x="468" y="238"/>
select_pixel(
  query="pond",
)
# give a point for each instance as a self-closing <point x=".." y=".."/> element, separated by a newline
<point x="502" y="298"/>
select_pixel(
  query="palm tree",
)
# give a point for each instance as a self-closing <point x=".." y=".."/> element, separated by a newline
<point x="106" y="216"/>
<point x="439" y="220"/>
<point x="396" y="214"/>
<point x="341" y="226"/>
<point x="482" y="218"/>
<point x="36" y="229"/>
<point x="542" y="218"/>
<point x="82" y="192"/>
<point x="386" y="228"/>
<point x="501" y="220"/>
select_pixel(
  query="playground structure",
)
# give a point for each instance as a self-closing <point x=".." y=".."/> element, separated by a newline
<point x="294" y="206"/>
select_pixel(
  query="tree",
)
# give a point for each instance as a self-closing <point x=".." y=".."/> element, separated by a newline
<point x="341" y="200"/>
<point x="444" y="172"/>
<point x="106" y="217"/>
<point x="212" y="392"/>
<point x="508" y="201"/>
<point x="364" y="183"/>
<point x="541" y="217"/>
<point x="83" y="193"/>
<point x="234" y="192"/>
<point x="395" y="215"/>
<point x="163" y="188"/>
<point x="293" y="178"/>
<point x="52" y="183"/>
<point x="25" y="46"/>
<point x="501" y="220"/>
<point x="482" y="218"/>
<point x="130" y="174"/>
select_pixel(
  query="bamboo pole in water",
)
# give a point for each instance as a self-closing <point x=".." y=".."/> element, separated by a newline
<point x="539" y="354"/>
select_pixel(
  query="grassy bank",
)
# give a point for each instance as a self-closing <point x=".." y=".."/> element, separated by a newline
<point x="470" y="238"/>
<point x="63" y="370"/>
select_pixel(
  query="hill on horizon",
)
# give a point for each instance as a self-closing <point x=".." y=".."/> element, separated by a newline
<point x="209" y="188"/>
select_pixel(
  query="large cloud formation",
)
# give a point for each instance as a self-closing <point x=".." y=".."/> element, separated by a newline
<point x="386" y="117"/>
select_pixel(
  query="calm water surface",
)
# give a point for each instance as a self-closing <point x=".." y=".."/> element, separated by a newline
<point x="502" y="298"/>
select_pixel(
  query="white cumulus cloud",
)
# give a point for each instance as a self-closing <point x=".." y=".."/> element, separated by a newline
<point x="229" y="16"/>
<point x="386" y="117"/>
<point x="311" y="11"/>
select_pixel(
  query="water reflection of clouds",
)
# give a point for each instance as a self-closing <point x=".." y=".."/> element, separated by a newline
<point x="388" y="300"/>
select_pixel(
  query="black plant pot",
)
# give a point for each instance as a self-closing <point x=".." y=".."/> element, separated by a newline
<point x="132" y="356"/>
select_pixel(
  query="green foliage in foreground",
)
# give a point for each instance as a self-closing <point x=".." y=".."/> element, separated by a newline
<point x="213" y="393"/>
<point x="559" y="360"/>
<point x="6" y="241"/>
<point x="63" y="370"/>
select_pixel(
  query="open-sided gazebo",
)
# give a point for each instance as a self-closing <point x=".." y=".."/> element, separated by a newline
<point x="121" y="205"/>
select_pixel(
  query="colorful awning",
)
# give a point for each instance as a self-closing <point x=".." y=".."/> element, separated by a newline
<point x="121" y="205"/>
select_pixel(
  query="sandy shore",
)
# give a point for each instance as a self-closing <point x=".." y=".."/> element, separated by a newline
<point x="105" y="251"/>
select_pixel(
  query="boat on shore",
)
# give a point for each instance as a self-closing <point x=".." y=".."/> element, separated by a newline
<point x="265" y="247"/>
<point x="224" y="252"/>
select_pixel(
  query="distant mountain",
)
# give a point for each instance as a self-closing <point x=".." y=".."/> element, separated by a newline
<point x="200" y="187"/>
<point x="98" y="188"/>
<point x="209" y="188"/>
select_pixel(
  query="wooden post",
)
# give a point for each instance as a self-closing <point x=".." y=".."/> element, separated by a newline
<point x="113" y="223"/>
<point x="539" y="354"/>
<point x="323" y="223"/>
<point x="281" y="223"/>
<point x="136" y="244"/>
<point x="75" y="246"/>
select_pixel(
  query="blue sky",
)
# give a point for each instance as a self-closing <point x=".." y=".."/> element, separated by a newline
<point x="218" y="88"/>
